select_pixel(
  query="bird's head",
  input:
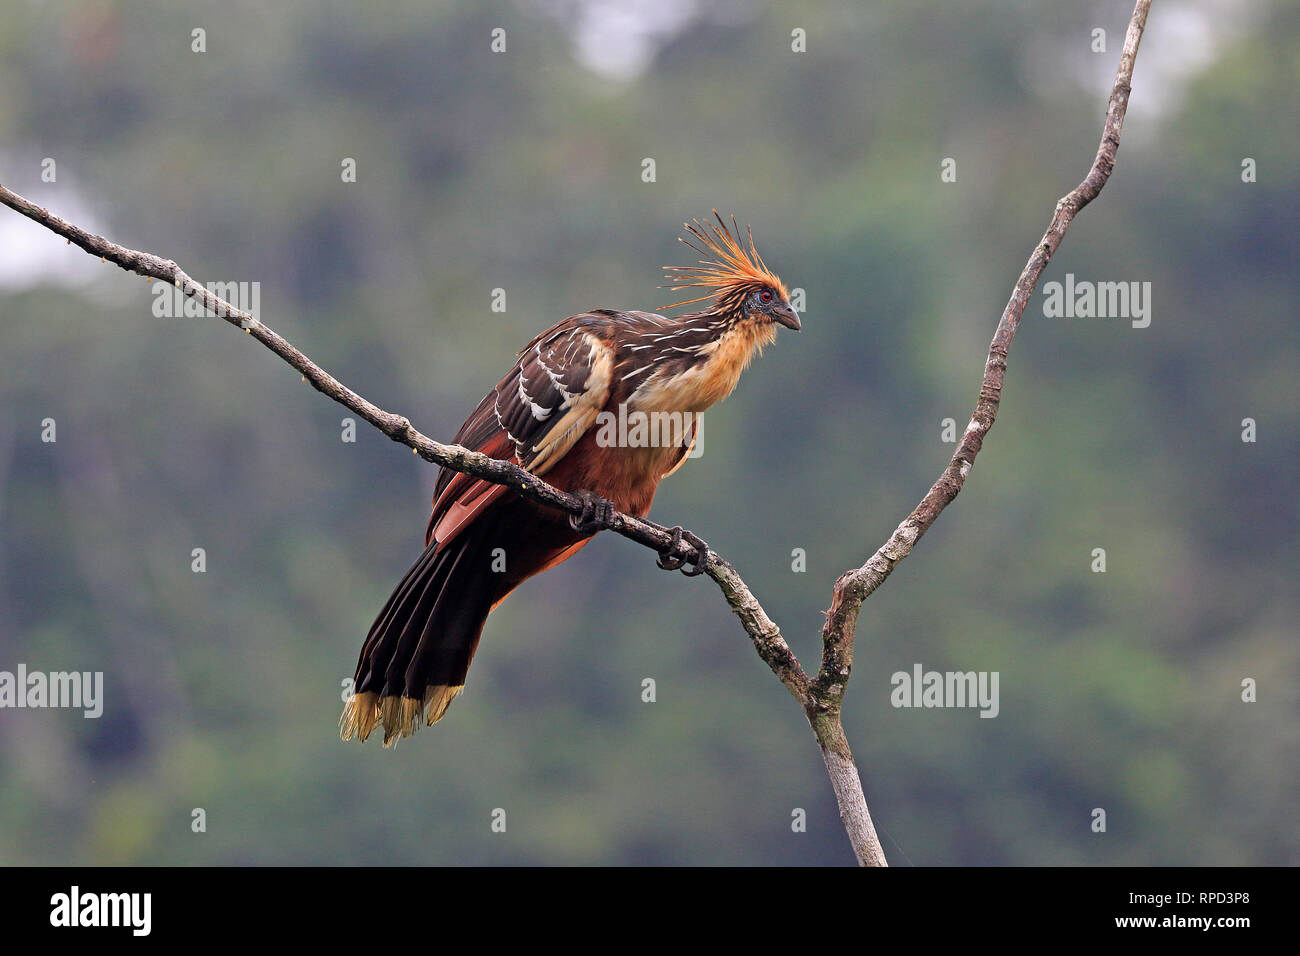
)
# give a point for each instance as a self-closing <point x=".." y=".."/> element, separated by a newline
<point x="740" y="285"/>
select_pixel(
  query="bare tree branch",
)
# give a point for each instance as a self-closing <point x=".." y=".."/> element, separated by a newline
<point x="821" y="698"/>
<point x="826" y="692"/>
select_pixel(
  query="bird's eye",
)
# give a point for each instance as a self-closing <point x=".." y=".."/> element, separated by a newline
<point x="765" y="295"/>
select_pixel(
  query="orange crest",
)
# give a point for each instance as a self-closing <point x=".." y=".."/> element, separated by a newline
<point x="730" y="269"/>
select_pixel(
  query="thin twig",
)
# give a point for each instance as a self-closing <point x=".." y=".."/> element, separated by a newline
<point x="855" y="586"/>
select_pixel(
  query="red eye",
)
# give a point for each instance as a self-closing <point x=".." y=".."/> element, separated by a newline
<point x="765" y="296"/>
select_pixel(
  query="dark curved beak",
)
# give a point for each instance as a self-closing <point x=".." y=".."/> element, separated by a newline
<point x="788" y="317"/>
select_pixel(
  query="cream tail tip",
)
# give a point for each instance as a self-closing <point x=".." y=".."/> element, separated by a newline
<point x="399" y="716"/>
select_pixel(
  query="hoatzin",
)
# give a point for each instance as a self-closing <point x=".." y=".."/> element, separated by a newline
<point x="483" y="540"/>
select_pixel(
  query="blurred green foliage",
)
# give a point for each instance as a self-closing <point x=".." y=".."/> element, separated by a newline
<point x="522" y="171"/>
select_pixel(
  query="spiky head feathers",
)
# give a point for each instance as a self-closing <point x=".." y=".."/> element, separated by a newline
<point x="731" y="270"/>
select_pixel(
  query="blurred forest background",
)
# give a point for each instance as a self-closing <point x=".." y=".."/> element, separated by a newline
<point x="522" y="170"/>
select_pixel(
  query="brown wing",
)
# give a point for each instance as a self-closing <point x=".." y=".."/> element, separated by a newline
<point x="554" y="393"/>
<point x="533" y="416"/>
<point x="688" y="443"/>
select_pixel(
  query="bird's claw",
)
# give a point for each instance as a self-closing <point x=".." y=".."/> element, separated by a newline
<point x="691" y="566"/>
<point x="597" y="514"/>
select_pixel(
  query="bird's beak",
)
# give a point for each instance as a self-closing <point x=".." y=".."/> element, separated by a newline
<point x="788" y="317"/>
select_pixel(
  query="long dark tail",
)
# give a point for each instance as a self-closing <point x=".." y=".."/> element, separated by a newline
<point x="419" y="648"/>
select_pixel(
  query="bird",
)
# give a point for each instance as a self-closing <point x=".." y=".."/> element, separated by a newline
<point x="604" y="405"/>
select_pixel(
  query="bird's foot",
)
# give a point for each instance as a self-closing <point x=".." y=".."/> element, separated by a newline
<point x="669" y="560"/>
<point x="597" y="514"/>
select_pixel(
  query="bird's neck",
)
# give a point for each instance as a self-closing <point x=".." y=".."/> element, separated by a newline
<point x="730" y="354"/>
<point x="714" y="367"/>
